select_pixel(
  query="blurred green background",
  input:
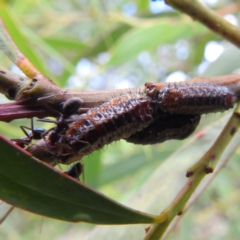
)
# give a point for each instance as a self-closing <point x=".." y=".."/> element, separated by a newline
<point x="93" y="45"/>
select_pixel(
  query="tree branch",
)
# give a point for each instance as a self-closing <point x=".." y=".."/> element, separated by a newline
<point x="209" y="18"/>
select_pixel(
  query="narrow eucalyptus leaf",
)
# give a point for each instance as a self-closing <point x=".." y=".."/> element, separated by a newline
<point x="39" y="188"/>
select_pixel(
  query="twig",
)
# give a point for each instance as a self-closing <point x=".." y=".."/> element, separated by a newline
<point x="11" y="83"/>
<point x="207" y="17"/>
<point x="225" y="159"/>
<point x="205" y="165"/>
<point x="11" y="50"/>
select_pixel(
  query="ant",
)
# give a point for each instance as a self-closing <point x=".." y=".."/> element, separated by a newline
<point x="34" y="134"/>
<point x="37" y="133"/>
<point x="75" y="171"/>
<point x="55" y="141"/>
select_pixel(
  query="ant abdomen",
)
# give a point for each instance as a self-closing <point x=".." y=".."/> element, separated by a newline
<point x="71" y="105"/>
<point x="75" y="170"/>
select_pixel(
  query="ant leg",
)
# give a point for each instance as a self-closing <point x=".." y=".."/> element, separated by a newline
<point x="83" y="174"/>
<point x="47" y="120"/>
<point x="55" y="121"/>
<point x="77" y="140"/>
<point x="48" y="107"/>
<point x="24" y="127"/>
<point x="36" y="133"/>
<point x="46" y="132"/>
<point x="25" y="132"/>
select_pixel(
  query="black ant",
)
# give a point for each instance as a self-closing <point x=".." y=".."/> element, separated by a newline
<point x="34" y="134"/>
<point x="75" y="171"/>
<point x="69" y="107"/>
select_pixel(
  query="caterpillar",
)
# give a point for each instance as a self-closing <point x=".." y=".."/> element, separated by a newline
<point x="166" y="127"/>
<point x="118" y="118"/>
<point x="191" y="98"/>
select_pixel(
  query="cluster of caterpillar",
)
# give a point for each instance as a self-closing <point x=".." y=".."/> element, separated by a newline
<point x="156" y="115"/>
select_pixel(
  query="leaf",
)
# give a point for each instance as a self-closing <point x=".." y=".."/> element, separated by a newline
<point x="197" y="48"/>
<point x="37" y="187"/>
<point x="110" y="38"/>
<point x="129" y="166"/>
<point x="62" y="43"/>
<point x="51" y="52"/>
<point x="19" y="40"/>
<point x="92" y="168"/>
<point x="98" y="47"/>
<point x="147" y="38"/>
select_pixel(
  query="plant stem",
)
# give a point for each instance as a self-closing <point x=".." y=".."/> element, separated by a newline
<point x="209" y="18"/>
<point x="200" y="171"/>
<point x="11" y="50"/>
<point x="226" y="158"/>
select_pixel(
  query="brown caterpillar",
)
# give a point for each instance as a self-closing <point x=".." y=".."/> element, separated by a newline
<point x="166" y="127"/>
<point x="191" y="98"/>
<point x="119" y="118"/>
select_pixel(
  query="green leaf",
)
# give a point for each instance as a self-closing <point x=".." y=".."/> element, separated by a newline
<point x="13" y="30"/>
<point x="92" y="168"/>
<point x="37" y="187"/>
<point x="62" y="43"/>
<point x="128" y="166"/>
<point x="198" y="45"/>
<point x="110" y="38"/>
<point x="51" y="52"/>
<point x="148" y="38"/>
